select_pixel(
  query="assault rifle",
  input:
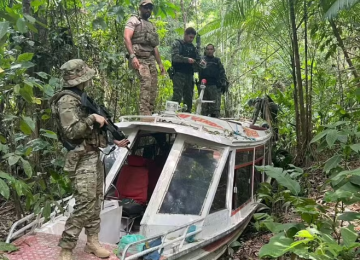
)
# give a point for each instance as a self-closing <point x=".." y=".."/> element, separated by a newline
<point x="94" y="108"/>
<point x="201" y="62"/>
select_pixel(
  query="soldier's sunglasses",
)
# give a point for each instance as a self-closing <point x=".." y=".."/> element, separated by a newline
<point x="148" y="7"/>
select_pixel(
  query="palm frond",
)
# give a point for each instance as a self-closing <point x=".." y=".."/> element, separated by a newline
<point x="338" y="6"/>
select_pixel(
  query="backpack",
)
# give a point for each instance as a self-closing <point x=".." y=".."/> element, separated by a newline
<point x="55" y="113"/>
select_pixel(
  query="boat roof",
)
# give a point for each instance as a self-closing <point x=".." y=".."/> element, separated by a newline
<point x="226" y="131"/>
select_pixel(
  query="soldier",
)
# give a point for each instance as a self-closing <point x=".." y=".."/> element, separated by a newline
<point x="141" y="40"/>
<point x="266" y="108"/>
<point x="183" y="57"/>
<point x="79" y="132"/>
<point x="215" y="76"/>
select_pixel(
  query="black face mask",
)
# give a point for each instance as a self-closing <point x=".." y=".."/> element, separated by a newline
<point x="146" y="11"/>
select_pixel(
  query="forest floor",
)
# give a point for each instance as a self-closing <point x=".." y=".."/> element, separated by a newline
<point x="251" y="241"/>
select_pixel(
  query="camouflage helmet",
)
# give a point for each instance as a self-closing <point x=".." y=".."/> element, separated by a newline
<point x="75" y="72"/>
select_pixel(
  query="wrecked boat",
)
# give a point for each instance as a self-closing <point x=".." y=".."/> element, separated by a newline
<point x="187" y="186"/>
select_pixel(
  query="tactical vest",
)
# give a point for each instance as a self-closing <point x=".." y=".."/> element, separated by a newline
<point x="186" y="50"/>
<point x="145" y="37"/>
<point x="211" y="73"/>
<point x="94" y="139"/>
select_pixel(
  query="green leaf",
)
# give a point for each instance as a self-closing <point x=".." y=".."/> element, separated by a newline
<point x="276" y="247"/>
<point x="349" y="216"/>
<point x="6" y="176"/>
<point x="29" y="122"/>
<point x="27" y="65"/>
<point x="3" y="29"/>
<point x="49" y="90"/>
<point x="349" y="235"/>
<point x="4" y="189"/>
<point x="99" y="23"/>
<point x="355" y="172"/>
<point x="30" y="18"/>
<point x="337" y="195"/>
<point x="45" y="117"/>
<point x="13" y="159"/>
<point x="235" y="244"/>
<point x="50" y="134"/>
<point x="27" y="56"/>
<point x="355" y="147"/>
<point x="43" y="74"/>
<point x="319" y="136"/>
<point x="27" y="93"/>
<point x="27" y="167"/>
<point x="282" y="178"/>
<point x="21" y="25"/>
<point x="47" y="209"/>
<point x="332" y="163"/>
<point x="6" y="247"/>
<point x="2" y="139"/>
<point x="32" y="27"/>
<point x="339" y="123"/>
<point x="304" y="234"/>
<point x="331" y="137"/>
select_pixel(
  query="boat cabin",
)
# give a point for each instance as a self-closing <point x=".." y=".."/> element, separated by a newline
<point x="186" y="170"/>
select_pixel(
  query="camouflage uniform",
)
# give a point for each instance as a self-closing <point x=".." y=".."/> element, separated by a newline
<point x="148" y="76"/>
<point x="214" y="73"/>
<point x="144" y="40"/>
<point x="212" y="92"/>
<point x="83" y="162"/>
<point x="183" y="79"/>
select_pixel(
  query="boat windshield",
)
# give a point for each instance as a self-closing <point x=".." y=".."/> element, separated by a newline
<point x="191" y="180"/>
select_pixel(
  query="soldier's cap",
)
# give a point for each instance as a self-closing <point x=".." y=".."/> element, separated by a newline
<point x="75" y="72"/>
<point x="146" y="2"/>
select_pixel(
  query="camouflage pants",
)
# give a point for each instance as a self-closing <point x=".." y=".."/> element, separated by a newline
<point x="148" y="76"/>
<point x="183" y="87"/>
<point x="212" y="92"/>
<point x="88" y="180"/>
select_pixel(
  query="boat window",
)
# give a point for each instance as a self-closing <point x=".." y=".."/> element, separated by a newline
<point x="219" y="202"/>
<point x="243" y="185"/>
<point x="110" y="159"/>
<point x="258" y="177"/>
<point x="259" y="152"/>
<point x="244" y="156"/>
<point x="149" y="145"/>
<point x="191" y="180"/>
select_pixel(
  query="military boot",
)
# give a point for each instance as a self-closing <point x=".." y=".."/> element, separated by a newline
<point x="93" y="247"/>
<point x="65" y="254"/>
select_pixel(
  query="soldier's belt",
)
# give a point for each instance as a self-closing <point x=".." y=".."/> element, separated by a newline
<point x="144" y="54"/>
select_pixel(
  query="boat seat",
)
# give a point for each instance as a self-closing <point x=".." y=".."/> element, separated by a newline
<point x="131" y="189"/>
<point x="133" y="180"/>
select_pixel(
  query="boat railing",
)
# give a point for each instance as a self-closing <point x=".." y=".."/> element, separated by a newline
<point x="37" y="220"/>
<point x="176" y="244"/>
<point x="173" y="119"/>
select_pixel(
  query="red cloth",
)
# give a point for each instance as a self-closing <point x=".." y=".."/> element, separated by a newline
<point x="133" y="180"/>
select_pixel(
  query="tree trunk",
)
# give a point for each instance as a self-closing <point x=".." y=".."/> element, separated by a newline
<point x="342" y="46"/>
<point x="184" y="12"/>
<point x="299" y="89"/>
<point x="26" y="7"/>
<point x="307" y="134"/>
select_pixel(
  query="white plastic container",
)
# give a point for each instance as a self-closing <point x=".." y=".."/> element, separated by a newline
<point x="110" y="224"/>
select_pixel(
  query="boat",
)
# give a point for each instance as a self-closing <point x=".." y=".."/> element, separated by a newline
<point x="186" y="187"/>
